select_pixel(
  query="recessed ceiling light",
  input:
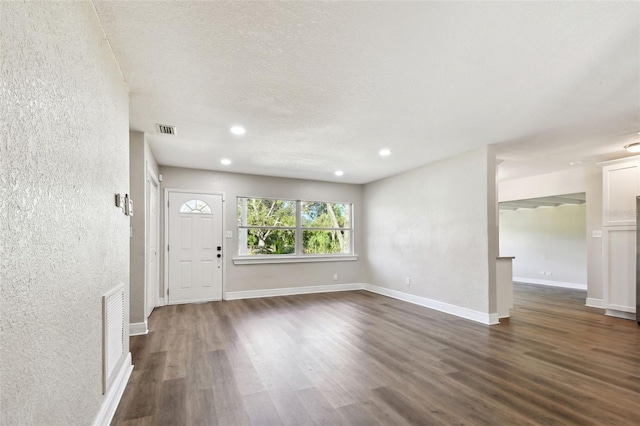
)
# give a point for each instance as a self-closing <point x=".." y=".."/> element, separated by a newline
<point x="633" y="147"/>
<point x="385" y="152"/>
<point x="339" y="173"/>
<point x="225" y="161"/>
<point x="237" y="130"/>
<point x="575" y="163"/>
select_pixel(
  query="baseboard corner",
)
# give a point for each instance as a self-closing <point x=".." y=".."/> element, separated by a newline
<point x="138" y="328"/>
<point x="436" y="305"/>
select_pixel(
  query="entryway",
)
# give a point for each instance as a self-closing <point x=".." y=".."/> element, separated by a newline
<point x="194" y="247"/>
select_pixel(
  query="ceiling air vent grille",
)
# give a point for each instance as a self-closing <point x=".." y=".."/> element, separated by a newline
<point x="165" y="129"/>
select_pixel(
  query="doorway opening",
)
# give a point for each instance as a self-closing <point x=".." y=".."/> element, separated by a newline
<point x="548" y="237"/>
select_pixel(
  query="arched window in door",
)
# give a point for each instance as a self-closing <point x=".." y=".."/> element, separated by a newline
<point x="195" y="206"/>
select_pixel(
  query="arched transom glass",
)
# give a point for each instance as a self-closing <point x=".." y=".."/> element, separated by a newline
<point x="195" y="206"/>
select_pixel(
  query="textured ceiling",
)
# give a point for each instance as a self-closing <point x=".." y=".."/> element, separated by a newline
<point x="322" y="86"/>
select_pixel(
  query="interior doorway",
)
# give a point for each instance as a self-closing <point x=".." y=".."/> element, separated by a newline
<point x="548" y="237"/>
<point x="152" y="285"/>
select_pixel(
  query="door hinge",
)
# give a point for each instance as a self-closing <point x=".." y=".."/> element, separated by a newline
<point x="167" y="247"/>
<point x="167" y="203"/>
<point x="167" y="292"/>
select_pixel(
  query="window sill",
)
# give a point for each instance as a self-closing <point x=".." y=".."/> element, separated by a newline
<point x="255" y="260"/>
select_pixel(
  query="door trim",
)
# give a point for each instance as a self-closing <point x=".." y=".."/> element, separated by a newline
<point x="165" y="237"/>
<point x="151" y="176"/>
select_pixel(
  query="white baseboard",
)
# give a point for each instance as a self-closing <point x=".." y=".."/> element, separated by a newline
<point x="194" y="301"/>
<point x="550" y="283"/>
<point x="161" y="302"/>
<point x="620" y="314"/>
<point x="114" y="394"/>
<point x="594" y="303"/>
<point x="138" y="328"/>
<point x="290" y="291"/>
<point x="481" y="317"/>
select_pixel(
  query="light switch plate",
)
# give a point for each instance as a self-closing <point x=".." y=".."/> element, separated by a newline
<point x="596" y="233"/>
<point x="229" y="234"/>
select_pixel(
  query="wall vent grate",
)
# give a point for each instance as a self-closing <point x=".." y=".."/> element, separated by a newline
<point x="165" y="129"/>
<point x="114" y="344"/>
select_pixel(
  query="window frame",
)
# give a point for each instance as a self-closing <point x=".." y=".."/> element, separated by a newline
<point x="195" y="210"/>
<point x="298" y="256"/>
<point x="305" y="228"/>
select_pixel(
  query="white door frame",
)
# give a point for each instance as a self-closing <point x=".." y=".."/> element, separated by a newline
<point x="165" y="238"/>
<point x="150" y="181"/>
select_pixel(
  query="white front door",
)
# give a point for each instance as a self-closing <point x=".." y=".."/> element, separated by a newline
<point x="152" y="246"/>
<point x="195" y="247"/>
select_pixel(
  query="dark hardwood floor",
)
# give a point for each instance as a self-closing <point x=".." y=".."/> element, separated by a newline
<point x="363" y="359"/>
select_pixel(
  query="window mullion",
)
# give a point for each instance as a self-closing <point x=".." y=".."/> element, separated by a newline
<point x="298" y="227"/>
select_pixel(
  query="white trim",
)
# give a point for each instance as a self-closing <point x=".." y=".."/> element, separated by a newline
<point x="151" y="179"/>
<point x="182" y="302"/>
<point x="253" y="260"/>
<point x="550" y="283"/>
<point x="290" y="291"/>
<point x="114" y="394"/>
<point x="594" y="303"/>
<point x="619" y="160"/>
<point x="165" y="239"/>
<point x="620" y="314"/>
<point x="621" y="308"/>
<point x="138" y="328"/>
<point x="481" y="317"/>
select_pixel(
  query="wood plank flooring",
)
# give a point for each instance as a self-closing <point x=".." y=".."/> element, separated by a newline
<point x="357" y="358"/>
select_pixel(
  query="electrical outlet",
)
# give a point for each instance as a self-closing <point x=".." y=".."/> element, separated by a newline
<point x="542" y="273"/>
<point x="407" y="281"/>
<point x="335" y="277"/>
<point x="549" y="273"/>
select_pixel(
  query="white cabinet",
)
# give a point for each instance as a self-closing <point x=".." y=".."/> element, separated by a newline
<point x="621" y="185"/>
<point x="620" y="271"/>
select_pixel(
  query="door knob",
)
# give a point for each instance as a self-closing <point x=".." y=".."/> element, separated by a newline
<point x="219" y="255"/>
<point x="219" y="248"/>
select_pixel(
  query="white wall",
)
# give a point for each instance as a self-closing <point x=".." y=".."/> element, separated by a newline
<point x="140" y="157"/>
<point x="64" y="153"/>
<point x="586" y="179"/>
<point x="551" y="240"/>
<point x="436" y="225"/>
<point x="261" y="277"/>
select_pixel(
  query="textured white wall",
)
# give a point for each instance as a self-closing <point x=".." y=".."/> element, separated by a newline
<point x="260" y="277"/>
<point x="585" y="179"/>
<point x="434" y="224"/>
<point x="64" y="154"/>
<point x="546" y="239"/>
